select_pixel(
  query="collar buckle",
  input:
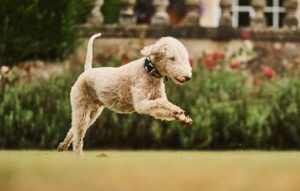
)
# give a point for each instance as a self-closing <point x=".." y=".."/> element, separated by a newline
<point x="150" y="68"/>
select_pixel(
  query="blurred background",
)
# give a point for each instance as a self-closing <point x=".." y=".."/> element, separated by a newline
<point x="245" y="91"/>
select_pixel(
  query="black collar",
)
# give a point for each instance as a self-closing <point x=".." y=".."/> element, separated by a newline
<point x="150" y="68"/>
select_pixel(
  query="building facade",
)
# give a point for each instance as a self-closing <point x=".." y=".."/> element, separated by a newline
<point x="242" y="10"/>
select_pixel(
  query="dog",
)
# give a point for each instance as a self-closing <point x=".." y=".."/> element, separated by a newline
<point x="134" y="87"/>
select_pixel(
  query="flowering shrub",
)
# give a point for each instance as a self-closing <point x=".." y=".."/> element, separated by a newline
<point x="268" y="71"/>
<point x="4" y="74"/>
<point x="237" y="60"/>
<point x="4" y="69"/>
<point x="232" y="107"/>
<point x="234" y="64"/>
<point x="209" y="62"/>
<point x="217" y="58"/>
<point x="218" y="55"/>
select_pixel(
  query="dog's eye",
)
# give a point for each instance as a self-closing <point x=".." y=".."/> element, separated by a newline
<point x="172" y="58"/>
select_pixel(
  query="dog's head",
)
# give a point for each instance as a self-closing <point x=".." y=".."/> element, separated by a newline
<point x="170" y="58"/>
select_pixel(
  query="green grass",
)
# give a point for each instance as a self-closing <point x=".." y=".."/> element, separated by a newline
<point x="150" y="170"/>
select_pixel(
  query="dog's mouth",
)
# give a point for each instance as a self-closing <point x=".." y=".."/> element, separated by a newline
<point x="179" y="81"/>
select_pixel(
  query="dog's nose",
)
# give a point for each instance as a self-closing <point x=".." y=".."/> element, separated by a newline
<point x="187" y="78"/>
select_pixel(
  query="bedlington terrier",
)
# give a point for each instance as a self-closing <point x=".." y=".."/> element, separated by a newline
<point x="134" y="87"/>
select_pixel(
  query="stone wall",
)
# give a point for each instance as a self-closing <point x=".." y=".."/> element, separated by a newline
<point x="273" y="53"/>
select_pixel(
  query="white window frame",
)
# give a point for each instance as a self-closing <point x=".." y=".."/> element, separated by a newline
<point x="236" y="9"/>
<point x="275" y="9"/>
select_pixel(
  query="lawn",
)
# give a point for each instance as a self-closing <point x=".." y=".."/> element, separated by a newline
<point x="150" y="170"/>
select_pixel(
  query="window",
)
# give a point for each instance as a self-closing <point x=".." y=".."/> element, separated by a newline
<point x="242" y="11"/>
<point x="275" y="13"/>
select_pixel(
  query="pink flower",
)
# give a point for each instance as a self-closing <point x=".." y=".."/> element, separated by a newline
<point x="218" y="55"/>
<point x="209" y="62"/>
<point x="191" y="61"/>
<point x="268" y="71"/>
<point x="234" y="64"/>
<point x="244" y="35"/>
<point x="4" y="69"/>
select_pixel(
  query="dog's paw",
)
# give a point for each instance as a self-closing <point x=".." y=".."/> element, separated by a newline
<point x="178" y="111"/>
<point x="184" y="119"/>
<point x="187" y="121"/>
<point x="62" y="147"/>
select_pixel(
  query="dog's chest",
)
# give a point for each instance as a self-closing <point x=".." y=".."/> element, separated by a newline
<point x="117" y="96"/>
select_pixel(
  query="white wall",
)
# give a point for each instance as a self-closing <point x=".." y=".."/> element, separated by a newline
<point x="211" y="14"/>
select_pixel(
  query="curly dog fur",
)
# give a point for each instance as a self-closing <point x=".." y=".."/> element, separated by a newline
<point x="128" y="88"/>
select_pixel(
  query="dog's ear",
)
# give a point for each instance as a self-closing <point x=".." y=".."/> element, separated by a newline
<point x="153" y="50"/>
<point x="147" y="50"/>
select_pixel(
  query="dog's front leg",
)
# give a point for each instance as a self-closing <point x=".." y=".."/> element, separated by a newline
<point x="162" y="109"/>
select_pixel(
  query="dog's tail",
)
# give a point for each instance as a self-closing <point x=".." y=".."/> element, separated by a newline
<point x="89" y="54"/>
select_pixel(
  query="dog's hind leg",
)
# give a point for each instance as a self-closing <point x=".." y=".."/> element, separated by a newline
<point x="94" y="114"/>
<point x="82" y="119"/>
<point x="67" y="141"/>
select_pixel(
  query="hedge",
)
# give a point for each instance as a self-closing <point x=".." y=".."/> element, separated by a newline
<point x="228" y="113"/>
<point x="40" y="29"/>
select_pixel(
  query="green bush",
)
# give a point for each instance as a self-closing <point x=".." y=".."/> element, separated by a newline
<point x="32" y="115"/>
<point x="39" y="29"/>
<point x="111" y="11"/>
<point x="228" y="113"/>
